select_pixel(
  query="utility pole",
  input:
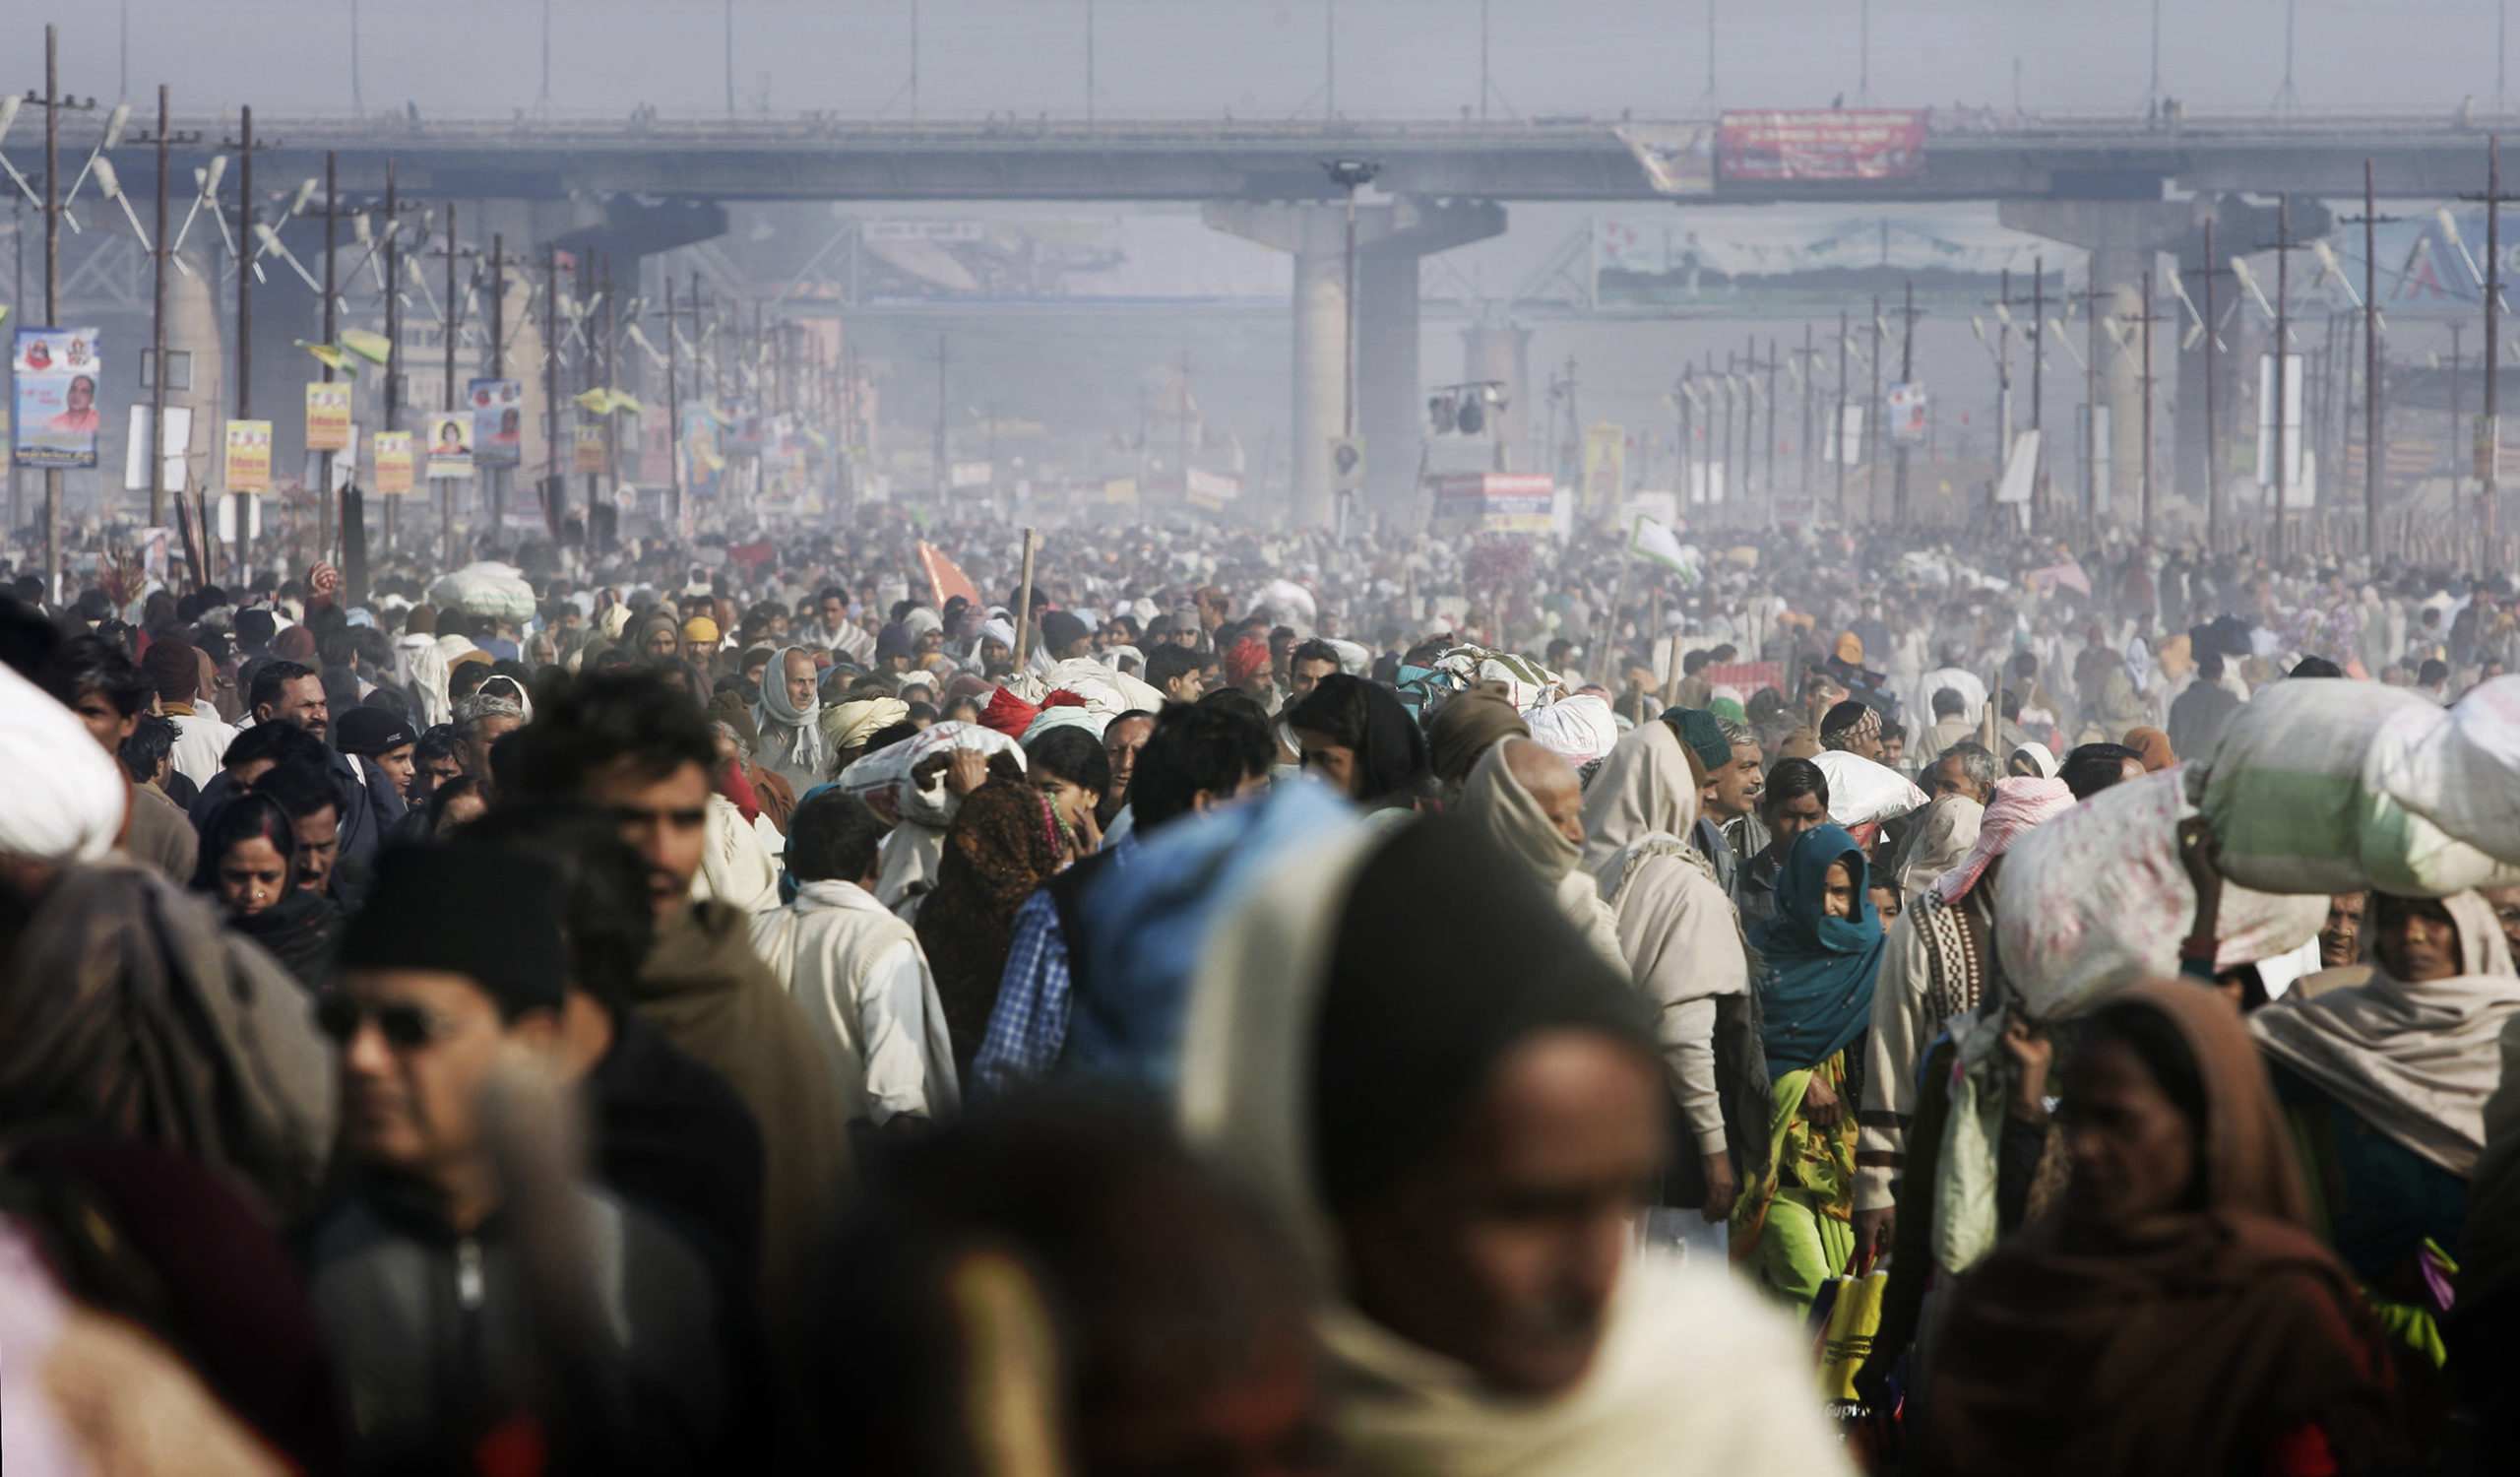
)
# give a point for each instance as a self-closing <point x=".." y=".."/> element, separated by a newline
<point x="2003" y="372"/>
<point x="1810" y="377"/>
<point x="52" y="105"/>
<point x="498" y="356"/>
<point x="587" y="288"/>
<point x="2038" y="381"/>
<point x="2285" y="379"/>
<point x="18" y="294"/>
<point x="2489" y="454"/>
<point x="2458" y="363"/>
<point x="1770" y="446"/>
<point x="2370" y="222"/>
<point x="554" y="490"/>
<point x="1909" y="313"/>
<point x="164" y="138"/>
<point x="449" y="398"/>
<point x="1734" y="488"/>
<point x="1838" y="428"/>
<point x="2212" y="443"/>
<point x="944" y="471"/>
<point x="2092" y="296"/>
<point x="393" y="334"/>
<point x="673" y="403"/>
<point x="2144" y="487"/>
<point x="1873" y="412"/>
<point x="332" y="227"/>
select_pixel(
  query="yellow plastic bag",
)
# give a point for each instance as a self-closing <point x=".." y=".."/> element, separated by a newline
<point x="1852" y="1320"/>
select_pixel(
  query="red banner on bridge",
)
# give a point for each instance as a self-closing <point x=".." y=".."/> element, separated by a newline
<point x="1874" y="143"/>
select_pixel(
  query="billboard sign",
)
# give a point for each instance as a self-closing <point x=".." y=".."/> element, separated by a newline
<point x="451" y="444"/>
<point x="249" y="455"/>
<point x="1493" y="502"/>
<point x="328" y="416"/>
<point x="393" y="463"/>
<point x="1821" y="142"/>
<point x="498" y="421"/>
<point x="1903" y="413"/>
<point x="58" y="378"/>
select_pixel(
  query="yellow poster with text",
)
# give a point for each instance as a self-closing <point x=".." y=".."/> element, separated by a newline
<point x="393" y="462"/>
<point x="249" y="455"/>
<point x="327" y="417"/>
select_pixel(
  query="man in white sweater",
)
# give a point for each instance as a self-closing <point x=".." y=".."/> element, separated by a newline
<point x="858" y="971"/>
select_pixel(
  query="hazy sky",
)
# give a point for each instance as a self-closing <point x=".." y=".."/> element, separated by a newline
<point x="1257" y="57"/>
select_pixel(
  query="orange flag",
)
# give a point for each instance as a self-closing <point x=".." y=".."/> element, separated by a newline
<point x="945" y="579"/>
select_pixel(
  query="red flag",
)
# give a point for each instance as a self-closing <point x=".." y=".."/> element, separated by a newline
<point x="944" y="579"/>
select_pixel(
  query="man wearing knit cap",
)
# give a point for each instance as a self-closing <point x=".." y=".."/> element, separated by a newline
<point x="700" y="641"/>
<point x="1725" y="798"/>
<point x="465" y="1215"/>
<point x="381" y="746"/>
<point x="173" y="665"/>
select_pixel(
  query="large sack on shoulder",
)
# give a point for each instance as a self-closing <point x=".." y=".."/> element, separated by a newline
<point x="2300" y="791"/>
<point x="2098" y="897"/>
<point x="1862" y="791"/>
<point x="2463" y="775"/>
<point x="891" y="768"/>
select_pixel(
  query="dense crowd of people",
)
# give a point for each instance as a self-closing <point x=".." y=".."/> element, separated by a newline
<point x="1222" y="1000"/>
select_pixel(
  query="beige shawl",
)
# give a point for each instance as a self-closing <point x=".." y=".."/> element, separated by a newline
<point x="1943" y="842"/>
<point x="1510" y="815"/>
<point x="2416" y="1060"/>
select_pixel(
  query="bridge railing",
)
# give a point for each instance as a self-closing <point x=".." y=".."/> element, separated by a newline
<point x="648" y="128"/>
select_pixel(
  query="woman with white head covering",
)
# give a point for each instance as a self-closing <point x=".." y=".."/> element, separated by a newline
<point x="1363" y="1071"/>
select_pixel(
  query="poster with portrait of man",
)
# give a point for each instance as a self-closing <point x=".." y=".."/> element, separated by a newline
<point x="58" y="377"/>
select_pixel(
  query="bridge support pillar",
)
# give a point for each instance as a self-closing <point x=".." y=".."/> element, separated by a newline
<point x="1390" y="240"/>
<point x="2123" y="237"/>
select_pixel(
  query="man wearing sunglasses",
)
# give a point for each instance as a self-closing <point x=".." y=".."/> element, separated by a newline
<point x="437" y="1278"/>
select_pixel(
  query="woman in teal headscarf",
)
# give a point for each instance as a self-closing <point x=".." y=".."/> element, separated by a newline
<point x="1818" y="957"/>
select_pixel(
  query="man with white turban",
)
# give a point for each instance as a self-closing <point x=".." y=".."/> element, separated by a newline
<point x="790" y="717"/>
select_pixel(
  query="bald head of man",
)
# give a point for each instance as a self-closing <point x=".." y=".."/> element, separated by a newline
<point x="1552" y="780"/>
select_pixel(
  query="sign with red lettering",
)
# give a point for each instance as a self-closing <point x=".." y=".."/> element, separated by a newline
<point x="1826" y="143"/>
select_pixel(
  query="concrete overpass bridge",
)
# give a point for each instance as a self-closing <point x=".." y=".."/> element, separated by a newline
<point x="2118" y="186"/>
<point x="820" y="158"/>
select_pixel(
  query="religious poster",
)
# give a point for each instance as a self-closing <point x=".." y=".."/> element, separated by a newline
<point x="249" y="455"/>
<point x="393" y="460"/>
<point x="328" y="416"/>
<point x="57" y="378"/>
<point x="498" y="421"/>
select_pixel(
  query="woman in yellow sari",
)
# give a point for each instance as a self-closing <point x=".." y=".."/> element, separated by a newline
<point x="1818" y="957"/>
